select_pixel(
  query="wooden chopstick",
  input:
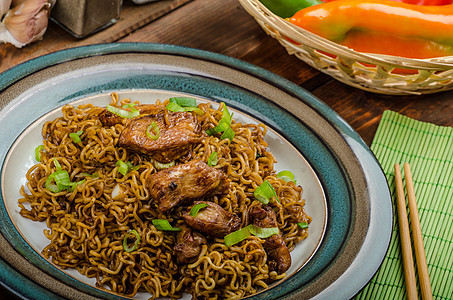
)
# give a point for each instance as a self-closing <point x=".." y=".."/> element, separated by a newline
<point x="409" y="272"/>
<point x="406" y="248"/>
<point x="422" y="267"/>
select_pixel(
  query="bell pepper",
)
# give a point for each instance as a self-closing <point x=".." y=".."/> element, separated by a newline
<point x="416" y="2"/>
<point x="384" y="20"/>
<point x="287" y="8"/>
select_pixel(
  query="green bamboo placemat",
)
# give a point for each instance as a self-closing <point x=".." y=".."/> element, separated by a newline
<point x="429" y="151"/>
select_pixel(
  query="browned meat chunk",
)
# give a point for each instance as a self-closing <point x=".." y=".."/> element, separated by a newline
<point x="213" y="220"/>
<point x="176" y="134"/>
<point x="185" y="183"/>
<point x="110" y="119"/>
<point x="188" y="245"/>
<point x="277" y="252"/>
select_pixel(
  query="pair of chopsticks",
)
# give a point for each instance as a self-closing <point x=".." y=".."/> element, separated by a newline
<point x="409" y="272"/>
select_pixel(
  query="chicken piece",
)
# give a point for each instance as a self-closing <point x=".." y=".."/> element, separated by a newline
<point x="277" y="252"/>
<point x="185" y="183"/>
<point x="188" y="245"/>
<point x="213" y="220"/>
<point x="177" y="132"/>
<point x="108" y="118"/>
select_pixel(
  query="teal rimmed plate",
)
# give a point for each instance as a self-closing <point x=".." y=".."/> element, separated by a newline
<point x="345" y="189"/>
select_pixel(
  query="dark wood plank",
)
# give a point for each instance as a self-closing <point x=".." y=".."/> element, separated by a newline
<point x="225" y="27"/>
<point x="363" y="110"/>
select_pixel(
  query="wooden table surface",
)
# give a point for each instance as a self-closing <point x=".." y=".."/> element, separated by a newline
<point x="225" y="27"/>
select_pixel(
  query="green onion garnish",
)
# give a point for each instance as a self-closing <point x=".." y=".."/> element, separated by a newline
<point x="125" y="167"/>
<point x="153" y="131"/>
<point x="129" y="114"/>
<point x="237" y="236"/>
<point x="38" y="152"/>
<point x="175" y="107"/>
<point x="57" y="164"/>
<point x="75" y="136"/>
<point x="303" y="225"/>
<point x="228" y="134"/>
<point x="73" y="185"/>
<point x="122" y="167"/>
<point x="265" y="192"/>
<point x="196" y="208"/>
<point x="94" y="175"/>
<point x="126" y="246"/>
<point x="184" y="101"/>
<point x="55" y="177"/>
<point x="263" y="232"/>
<point x="129" y="105"/>
<point x="60" y="180"/>
<point x="243" y="233"/>
<point x="161" y="166"/>
<point x="164" y="225"/>
<point x="212" y="160"/>
<point x="286" y="176"/>
<point x="224" y="125"/>
<point x="226" y="116"/>
<point x="217" y="129"/>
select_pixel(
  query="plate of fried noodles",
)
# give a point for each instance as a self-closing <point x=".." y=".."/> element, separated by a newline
<point x="153" y="171"/>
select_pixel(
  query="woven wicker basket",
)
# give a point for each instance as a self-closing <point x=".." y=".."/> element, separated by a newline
<point x="344" y="64"/>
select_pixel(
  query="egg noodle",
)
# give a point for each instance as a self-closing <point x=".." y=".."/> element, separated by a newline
<point x="88" y="223"/>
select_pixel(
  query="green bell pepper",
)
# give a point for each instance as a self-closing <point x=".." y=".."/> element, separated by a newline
<point x="287" y="8"/>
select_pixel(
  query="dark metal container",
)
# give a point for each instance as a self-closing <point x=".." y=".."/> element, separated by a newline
<point x="84" y="17"/>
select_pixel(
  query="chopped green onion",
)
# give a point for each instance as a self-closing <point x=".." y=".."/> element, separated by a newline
<point x="263" y="232"/>
<point x="303" y="225"/>
<point x="265" y="192"/>
<point x="196" y="208"/>
<point x="129" y="105"/>
<point x="61" y="179"/>
<point x="73" y="185"/>
<point x="161" y="166"/>
<point x="129" y="114"/>
<point x="224" y="126"/>
<point x="184" y="101"/>
<point x="126" y="247"/>
<point x="123" y="168"/>
<point x="164" y="225"/>
<point x="226" y="116"/>
<point x="172" y="106"/>
<point x="75" y="136"/>
<point x="153" y="131"/>
<point x="243" y="233"/>
<point x="228" y="134"/>
<point x="212" y="160"/>
<point x="94" y="175"/>
<point x="38" y="152"/>
<point x="57" y="164"/>
<point x="286" y="176"/>
<point x="217" y="129"/>
<point x="237" y="236"/>
<point x="52" y="187"/>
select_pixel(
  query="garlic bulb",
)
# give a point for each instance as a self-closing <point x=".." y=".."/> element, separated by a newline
<point x="26" y="22"/>
<point x="4" y="7"/>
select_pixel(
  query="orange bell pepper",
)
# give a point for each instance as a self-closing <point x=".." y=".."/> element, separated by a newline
<point x="417" y="2"/>
<point x="367" y="25"/>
